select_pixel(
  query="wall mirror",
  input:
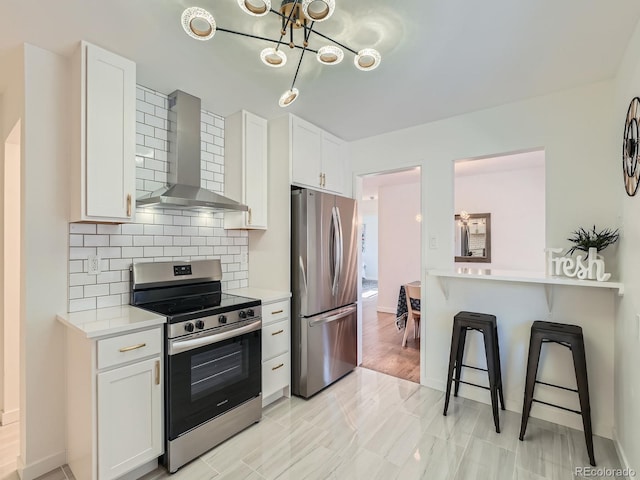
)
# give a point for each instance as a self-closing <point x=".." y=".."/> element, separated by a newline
<point x="473" y="237"/>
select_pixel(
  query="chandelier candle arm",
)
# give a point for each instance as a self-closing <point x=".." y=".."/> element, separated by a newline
<point x="257" y="37"/>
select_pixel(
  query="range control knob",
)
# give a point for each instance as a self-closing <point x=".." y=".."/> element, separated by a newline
<point x="200" y="324"/>
<point x="188" y="327"/>
<point x="250" y="312"/>
<point x="222" y="319"/>
<point x="242" y="314"/>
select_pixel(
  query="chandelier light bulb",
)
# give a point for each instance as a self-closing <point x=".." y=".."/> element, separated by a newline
<point x="318" y="10"/>
<point x="367" y="59"/>
<point x="330" y="55"/>
<point x="273" y="58"/>
<point x="198" y="23"/>
<point x="288" y="97"/>
<point x="257" y="8"/>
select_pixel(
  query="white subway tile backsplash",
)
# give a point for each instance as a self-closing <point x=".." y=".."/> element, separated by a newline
<point x="132" y="228"/>
<point x="96" y="290"/>
<point x="156" y="235"/>
<point x="82" y="304"/>
<point x="96" y="241"/>
<point x="110" y="301"/>
<point x="82" y="228"/>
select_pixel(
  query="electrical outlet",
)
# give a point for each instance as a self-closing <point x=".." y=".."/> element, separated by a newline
<point x="94" y="265"/>
<point x="433" y="242"/>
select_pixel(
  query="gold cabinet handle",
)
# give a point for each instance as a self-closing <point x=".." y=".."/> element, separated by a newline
<point x="277" y="312"/>
<point x="133" y="347"/>
<point x="277" y="333"/>
<point x="279" y="366"/>
<point x="324" y="179"/>
<point x="157" y="372"/>
<point x="320" y="179"/>
<point x="128" y="205"/>
<point x="249" y="214"/>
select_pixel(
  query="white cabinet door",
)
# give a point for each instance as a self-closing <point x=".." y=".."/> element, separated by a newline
<point x="306" y="154"/>
<point x="106" y="167"/>
<point x="246" y="169"/>
<point x="333" y="160"/>
<point x="129" y="417"/>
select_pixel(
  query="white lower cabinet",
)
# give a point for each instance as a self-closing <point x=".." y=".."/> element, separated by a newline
<point x="115" y="404"/>
<point x="129" y="410"/>
<point x="276" y="355"/>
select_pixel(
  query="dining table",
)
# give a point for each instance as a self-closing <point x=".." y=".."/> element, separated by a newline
<point x="401" y="311"/>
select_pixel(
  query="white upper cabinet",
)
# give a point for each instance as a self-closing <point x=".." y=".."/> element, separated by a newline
<point x="246" y="169"/>
<point x="319" y="160"/>
<point x="103" y="164"/>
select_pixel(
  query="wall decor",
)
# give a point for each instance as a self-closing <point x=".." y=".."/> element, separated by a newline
<point x="630" y="150"/>
<point x="591" y="268"/>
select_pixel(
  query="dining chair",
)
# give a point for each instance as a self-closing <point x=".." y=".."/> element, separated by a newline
<point x="412" y="291"/>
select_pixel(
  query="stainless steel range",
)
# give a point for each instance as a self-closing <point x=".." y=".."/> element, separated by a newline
<point x="213" y="354"/>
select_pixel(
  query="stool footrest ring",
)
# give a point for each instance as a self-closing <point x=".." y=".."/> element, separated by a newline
<point x="469" y="383"/>
<point x="475" y="368"/>
<point x="557" y="406"/>
<point x="557" y="386"/>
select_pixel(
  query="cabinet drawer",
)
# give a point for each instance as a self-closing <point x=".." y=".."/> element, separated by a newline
<point x="275" y="339"/>
<point x="273" y="312"/>
<point x="276" y="374"/>
<point x="125" y="348"/>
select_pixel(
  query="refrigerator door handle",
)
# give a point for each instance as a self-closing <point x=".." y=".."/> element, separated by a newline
<point x="304" y="274"/>
<point x="324" y="318"/>
<point x="340" y="249"/>
<point x="336" y="250"/>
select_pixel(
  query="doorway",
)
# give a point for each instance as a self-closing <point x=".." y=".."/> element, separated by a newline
<point x="390" y="216"/>
<point x="10" y="325"/>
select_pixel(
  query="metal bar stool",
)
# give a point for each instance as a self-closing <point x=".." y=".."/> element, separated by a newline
<point x="485" y="324"/>
<point x="569" y="336"/>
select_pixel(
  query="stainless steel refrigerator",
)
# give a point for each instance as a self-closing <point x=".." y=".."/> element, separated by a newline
<point x="324" y="286"/>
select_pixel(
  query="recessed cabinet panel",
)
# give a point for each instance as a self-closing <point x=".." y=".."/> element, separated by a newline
<point x="306" y="153"/>
<point x="103" y="173"/>
<point x="319" y="160"/>
<point x="129" y="417"/>
<point x="246" y="170"/>
<point x="333" y="160"/>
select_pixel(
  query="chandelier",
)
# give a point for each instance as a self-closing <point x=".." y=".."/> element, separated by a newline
<point x="295" y="15"/>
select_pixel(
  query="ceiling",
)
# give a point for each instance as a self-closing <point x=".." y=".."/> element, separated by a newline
<point x="371" y="183"/>
<point x="439" y="58"/>
<point x="503" y="163"/>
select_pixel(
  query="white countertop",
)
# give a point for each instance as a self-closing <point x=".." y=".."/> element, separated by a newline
<point x="523" y="277"/>
<point x="267" y="296"/>
<point x="103" y="322"/>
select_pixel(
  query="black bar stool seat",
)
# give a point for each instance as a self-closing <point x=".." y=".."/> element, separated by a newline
<point x="485" y="324"/>
<point x="569" y="336"/>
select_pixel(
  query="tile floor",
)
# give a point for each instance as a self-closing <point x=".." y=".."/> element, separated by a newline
<point x="374" y="426"/>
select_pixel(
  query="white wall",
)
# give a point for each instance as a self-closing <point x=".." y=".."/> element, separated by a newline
<point x="627" y="379"/>
<point x="44" y="259"/>
<point x="370" y="254"/>
<point x="12" y="111"/>
<point x="398" y="241"/>
<point x="574" y="128"/>
<point x="515" y="200"/>
<point x="10" y="403"/>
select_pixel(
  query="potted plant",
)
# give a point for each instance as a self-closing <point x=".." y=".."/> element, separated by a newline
<point x="584" y="239"/>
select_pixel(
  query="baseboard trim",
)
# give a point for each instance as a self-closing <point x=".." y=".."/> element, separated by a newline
<point x="386" y="309"/>
<point x="11" y="416"/>
<point x="624" y="461"/>
<point x="39" y="468"/>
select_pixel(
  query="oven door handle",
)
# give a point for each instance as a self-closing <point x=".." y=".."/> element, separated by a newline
<point x="179" y="346"/>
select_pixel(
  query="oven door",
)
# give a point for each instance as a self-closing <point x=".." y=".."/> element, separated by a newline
<point x="210" y="374"/>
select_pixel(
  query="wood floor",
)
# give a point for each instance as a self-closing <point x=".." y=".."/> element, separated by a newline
<point x="382" y="349"/>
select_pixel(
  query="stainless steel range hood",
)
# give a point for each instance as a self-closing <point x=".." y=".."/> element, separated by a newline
<point x="183" y="189"/>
